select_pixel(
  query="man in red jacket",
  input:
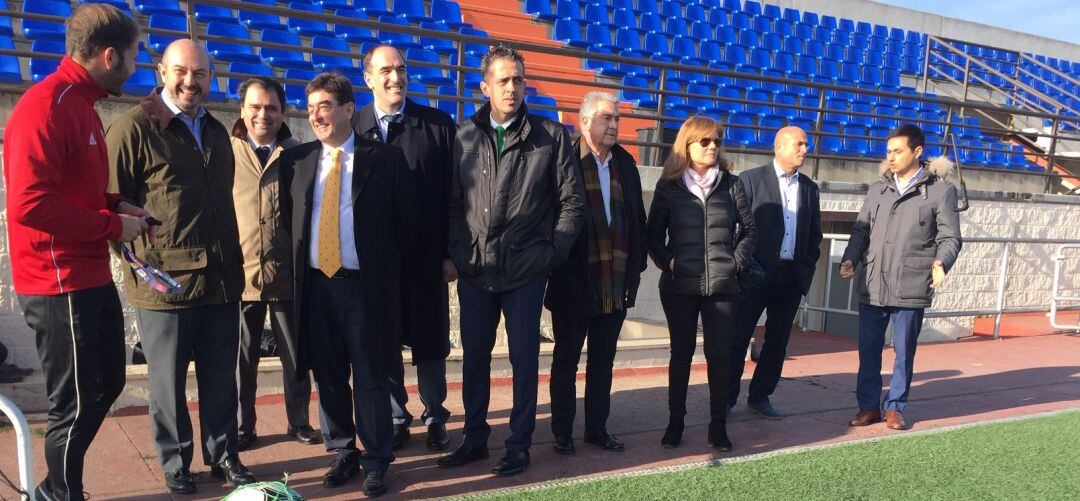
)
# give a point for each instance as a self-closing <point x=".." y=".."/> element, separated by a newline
<point x="59" y="222"/>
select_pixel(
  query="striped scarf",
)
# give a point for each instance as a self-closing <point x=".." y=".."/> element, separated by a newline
<point x="610" y="243"/>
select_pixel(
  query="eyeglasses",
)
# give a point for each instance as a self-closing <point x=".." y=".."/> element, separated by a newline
<point x="705" y="142"/>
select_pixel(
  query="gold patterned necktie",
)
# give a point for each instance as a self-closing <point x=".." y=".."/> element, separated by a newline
<point x="329" y="239"/>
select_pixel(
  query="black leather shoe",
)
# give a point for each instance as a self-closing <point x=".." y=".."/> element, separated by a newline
<point x="513" y="463"/>
<point x="718" y="436"/>
<point x="401" y="434"/>
<point x="233" y="471"/>
<point x="437" y="438"/>
<point x="564" y="444"/>
<point x="178" y="482"/>
<point x="375" y="483"/>
<point x="342" y="468"/>
<point x="304" y="434"/>
<point x="605" y="440"/>
<point x="463" y="455"/>
<point x="244" y="440"/>
<point x="673" y="434"/>
<point x="765" y="410"/>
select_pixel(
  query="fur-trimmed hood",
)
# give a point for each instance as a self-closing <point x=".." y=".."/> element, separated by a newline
<point x="941" y="167"/>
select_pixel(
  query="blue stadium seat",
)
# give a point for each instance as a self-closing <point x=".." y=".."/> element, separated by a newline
<point x="676" y="117"/>
<point x="806" y="68"/>
<point x="741" y="21"/>
<point x="804" y="31"/>
<point x="846" y="24"/>
<point x="727" y="35"/>
<point x="686" y="48"/>
<point x="719" y="16"/>
<point x="752" y="7"/>
<point x="308" y="27"/>
<point x="696" y="13"/>
<point x="250" y="69"/>
<point x="416" y="93"/>
<point x="472" y="78"/>
<point x="872" y="75"/>
<point x="784" y="61"/>
<point x="854" y="55"/>
<point x="831" y="144"/>
<point x="283" y="58"/>
<point x="216" y="95"/>
<point x="676" y="27"/>
<point x="534" y="103"/>
<point x="784" y="28"/>
<point x="362" y="95"/>
<point x="403" y="41"/>
<point x="568" y="31"/>
<point x="849" y="74"/>
<point x="158" y="42"/>
<point x="829" y="22"/>
<point x="651" y="23"/>
<point x="427" y="75"/>
<point x="598" y="13"/>
<point x="570" y="10"/>
<point x="808" y="114"/>
<point x="791" y="15"/>
<point x="353" y="34"/>
<point x="765" y="136"/>
<point x="447" y="12"/>
<point x="5" y="22"/>
<point x="143" y="80"/>
<point x="829" y="69"/>
<point x="736" y="134"/>
<point x="605" y="68"/>
<point x="732" y="5"/>
<point x="783" y="103"/>
<point x="772" y="42"/>
<point x="629" y="42"/>
<point x="657" y="44"/>
<point x="624" y="19"/>
<point x="814" y="48"/>
<point x="639" y="98"/>
<point x="647" y="6"/>
<point x="341" y="63"/>
<point x="771" y="11"/>
<point x="836" y="110"/>
<point x="671" y="9"/>
<point x="441" y="46"/>
<point x="855" y="145"/>
<point x="878" y="44"/>
<point x="261" y="20"/>
<point x="997" y="159"/>
<point x="213" y="14"/>
<point x="333" y="4"/>
<point x="727" y="107"/>
<point x="296" y="94"/>
<point x="412" y="10"/>
<point x="760" y="59"/>
<point x="810" y="18"/>
<point x="45" y="30"/>
<point x="164" y="7"/>
<point x="710" y="51"/>
<point x="860" y="120"/>
<point x="973" y="158"/>
<point x="758" y="109"/>
<point x="9" y="65"/>
<point x="599" y="35"/>
<point x="373" y="8"/>
<point x="735" y="56"/>
<point x="749" y="38"/>
<point x="228" y="51"/>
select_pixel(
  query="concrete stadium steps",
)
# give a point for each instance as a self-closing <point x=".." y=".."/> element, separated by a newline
<point x="503" y="19"/>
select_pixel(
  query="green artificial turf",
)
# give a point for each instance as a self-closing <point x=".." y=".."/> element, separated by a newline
<point x="1037" y="459"/>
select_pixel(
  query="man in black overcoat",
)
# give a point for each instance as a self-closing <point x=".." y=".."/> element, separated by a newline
<point x="426" y="135"/>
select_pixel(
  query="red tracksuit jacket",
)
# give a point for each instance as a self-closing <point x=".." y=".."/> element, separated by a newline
<point x="56" y="170"/>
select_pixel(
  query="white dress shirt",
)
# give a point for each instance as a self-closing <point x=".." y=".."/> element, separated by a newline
<point x="345" y="212"/>
<point x="384" y="125"/>
<point x="604" y="170"/>
<point x="904" y="187"/>
<point x="701" y="186"/>
<point x="789" y="197"/>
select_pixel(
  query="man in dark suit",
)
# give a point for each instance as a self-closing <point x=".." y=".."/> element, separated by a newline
<point x="352" y="205"/>
<point x="426" y="135"/>
<point x="588" y="294"/>
<point x="787" y="212"/>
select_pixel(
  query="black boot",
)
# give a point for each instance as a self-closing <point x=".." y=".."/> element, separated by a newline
<point x="673" y="434"/>
<point x="718" y="436"/>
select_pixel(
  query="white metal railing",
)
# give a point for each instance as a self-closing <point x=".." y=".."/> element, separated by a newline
<point x="22" y="444"/>
<point x="1000" y="306"/>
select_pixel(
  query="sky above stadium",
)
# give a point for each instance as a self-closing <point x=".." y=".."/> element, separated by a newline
<point x="1050" y="18"/>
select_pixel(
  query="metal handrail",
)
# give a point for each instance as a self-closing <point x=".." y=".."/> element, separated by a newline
<point x="1000" y="307"/>
<point x="663" y="67"/>
<point x="23" y="446"/>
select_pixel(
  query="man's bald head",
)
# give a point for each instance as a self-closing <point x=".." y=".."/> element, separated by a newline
<point x="185" y="74"/>
<point x="790" y="147"/>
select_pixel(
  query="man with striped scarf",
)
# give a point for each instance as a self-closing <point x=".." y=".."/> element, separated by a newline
<point x="588" y="295"/>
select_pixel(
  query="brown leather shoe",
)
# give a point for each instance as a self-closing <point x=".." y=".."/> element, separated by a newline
<point x="894" y="420"/>
<point x="865" y="418"/>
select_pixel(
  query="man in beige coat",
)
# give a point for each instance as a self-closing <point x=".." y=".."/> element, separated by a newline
<point x="258" y="138"/>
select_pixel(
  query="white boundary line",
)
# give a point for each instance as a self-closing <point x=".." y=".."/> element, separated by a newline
<point x="753" y="457"/>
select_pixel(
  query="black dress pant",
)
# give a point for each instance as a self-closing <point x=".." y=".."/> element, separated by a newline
<point x="172" y="339"/>
<point x="571" y="331"/>
<point x="479" y="321"/>
<point x="80" y="339"/>
<point x="297" y="391"/>
<point x="682" y="313"/>
<point x="780" y="298"/>
<point x="337" y="348"/>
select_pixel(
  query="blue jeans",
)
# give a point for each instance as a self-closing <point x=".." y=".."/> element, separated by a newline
<point x="873" y="320"/>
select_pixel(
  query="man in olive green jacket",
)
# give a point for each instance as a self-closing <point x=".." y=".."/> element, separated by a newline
<point x="172" y="157"/>
<point x="258" y="138"/>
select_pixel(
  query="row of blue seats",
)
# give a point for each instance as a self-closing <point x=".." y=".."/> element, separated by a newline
<point x="403" y="11"/>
